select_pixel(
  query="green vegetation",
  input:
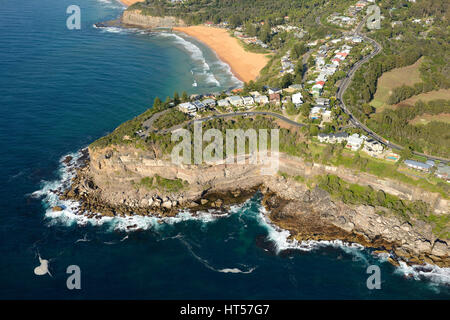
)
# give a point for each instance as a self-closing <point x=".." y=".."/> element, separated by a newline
<point x="402" y="46"/>
<point x="431" y="138"/>
<point x="170" y="119"/>
<point x="160" y="183"/>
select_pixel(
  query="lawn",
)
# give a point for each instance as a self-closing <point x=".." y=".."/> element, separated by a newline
<point x="392" y="79"/>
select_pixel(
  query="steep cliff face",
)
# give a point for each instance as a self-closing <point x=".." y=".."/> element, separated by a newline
<point x="313" y="215"/>
<point x="110" y="184"/>
<point x="136" y="18"/>
<point x="116" y="169"/>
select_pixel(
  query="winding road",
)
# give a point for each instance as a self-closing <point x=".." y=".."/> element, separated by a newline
<point x="345" y="84"/>
<point x="339" y="95"/>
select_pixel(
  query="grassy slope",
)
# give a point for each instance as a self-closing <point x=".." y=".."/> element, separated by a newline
<point x="395" y="78"/>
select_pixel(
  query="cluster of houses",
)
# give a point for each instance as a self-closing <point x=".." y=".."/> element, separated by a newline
<point x="234" y="99"/>
<point x="441" y="170"/>
<point x="321" y="110"/>
<point x="359" y="6"/>
<point x="357" y="142"/>
<point x="348" y="19"/>
<point x="341" y="21"/>
<point x="250" y="40"/>
<point x="375" y="149"/>
<point x="325" y="69"/>
<point x="287" y="66"/>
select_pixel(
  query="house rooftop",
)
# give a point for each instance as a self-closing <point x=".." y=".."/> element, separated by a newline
<point x="417" y="164"/>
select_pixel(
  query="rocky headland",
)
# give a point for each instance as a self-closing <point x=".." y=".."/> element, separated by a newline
<point x="114" y="181"/>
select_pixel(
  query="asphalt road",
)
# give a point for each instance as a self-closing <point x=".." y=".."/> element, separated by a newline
<point x="346" y="82"/>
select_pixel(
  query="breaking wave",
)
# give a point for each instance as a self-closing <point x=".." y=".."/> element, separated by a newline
<point x="69" y="211"/>
<point x="432" y="273"/>
<point x="113" y="4"/>
<point x="281" y="238"/>
<point x="203" y="70"/>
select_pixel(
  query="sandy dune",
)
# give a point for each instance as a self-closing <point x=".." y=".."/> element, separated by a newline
<point x="244" y="65"/>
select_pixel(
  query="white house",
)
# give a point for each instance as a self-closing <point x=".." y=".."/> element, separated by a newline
<point x="373" y="147"/>
<point x="209" y="102"/>
<point x="235" y="100"/>
<point x="187" y="107"/>
<point x="248" y="101"/>
<point x="316" y="112"/>
<point x="354" y="142"/>
<point x="261" y="99"/>
<point x="323" y="101"/>
<point x="297" y="98"/>
<point x="223" y="103"/>
<point x="326" y="116"/>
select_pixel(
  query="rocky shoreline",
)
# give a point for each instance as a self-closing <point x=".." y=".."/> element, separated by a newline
<point x="308" y="214"/>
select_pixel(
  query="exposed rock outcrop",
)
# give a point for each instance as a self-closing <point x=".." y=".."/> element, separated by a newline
<point x="136" y="18"/>
<point x="109" y="184"/>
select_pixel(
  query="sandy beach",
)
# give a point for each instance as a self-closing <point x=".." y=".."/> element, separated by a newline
<point x="244" y="65"/>
<point x="130" y="2"/>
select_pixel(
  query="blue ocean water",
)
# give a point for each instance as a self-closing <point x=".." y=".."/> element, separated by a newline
<point x="62" y="89"/>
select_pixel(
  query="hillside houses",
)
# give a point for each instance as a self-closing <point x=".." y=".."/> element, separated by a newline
<point x="338" y="137"/>
<point x="373" y="148"/>
<point x="418" y="165"/>
<point x="235" y="101"/>
<point x="355" y="141"/>
<point x="443" y="172"/>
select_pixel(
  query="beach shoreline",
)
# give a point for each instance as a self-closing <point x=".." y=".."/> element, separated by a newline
<point x="128" y="3"/>
<point x="244" y="65"/>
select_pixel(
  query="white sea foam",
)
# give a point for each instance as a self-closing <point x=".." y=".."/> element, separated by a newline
<point x="282" y="240"/>
<point x="435" y="274"/>
<point x="196" y="55"/>
<point x="71" y="214"/>
<point x="227" y="69"/>
<point x="113" y="4"/>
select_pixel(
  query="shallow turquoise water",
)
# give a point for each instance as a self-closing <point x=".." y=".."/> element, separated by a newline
<point x="62" y="89"/>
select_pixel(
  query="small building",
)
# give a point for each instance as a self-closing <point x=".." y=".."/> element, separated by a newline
<point x="274" y="90"/>
<point x="316" y="112"/>
<point x="223" y="103"/>
<point x="373" y="147"/>
<point x="248" y="101"/>
<point x="211" y="103"/>
<point x="326" y="116"/>
<point x="297" y="98"/>
<point x="261" y="99"/>
<point x="235" y="101"/>
<point x="323" y="102"/>
<point x="199" y="105"/>
<point x="255" y="94"/>
<point x="417" y="165"/>
<point x="275" y="98"/>
<point x="187" y="107"/>
<point x="443" y="172"/>
<point x="354" y="142"/>
<point x="295" y="87"/>
<point x="333" y="137"/>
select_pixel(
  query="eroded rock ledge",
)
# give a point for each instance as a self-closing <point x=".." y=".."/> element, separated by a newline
<point x="136" y="18"/>
<point x="107" y="184"/>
